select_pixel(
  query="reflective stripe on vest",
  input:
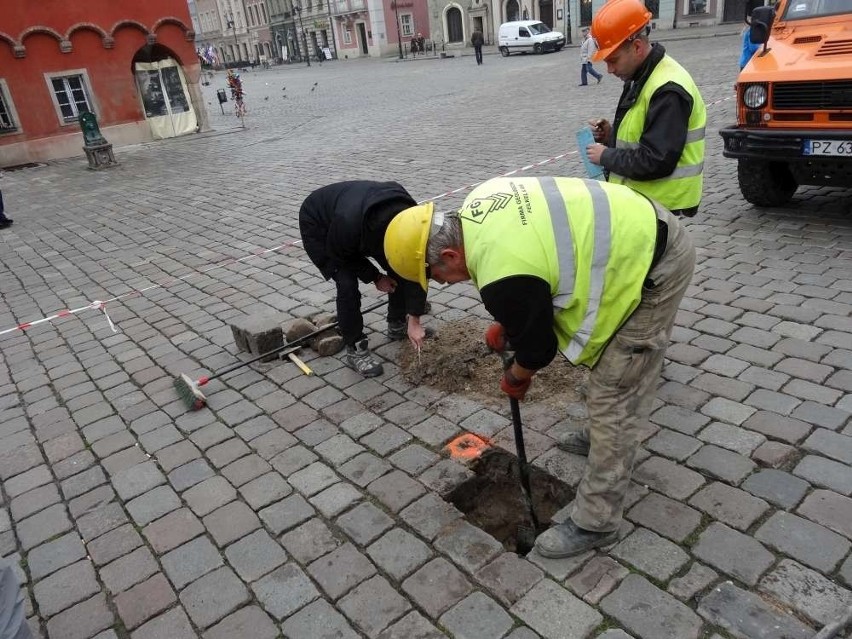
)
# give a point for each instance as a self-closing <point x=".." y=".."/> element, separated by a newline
<point x="592" y="242"/>
<point x="682" y="188"/>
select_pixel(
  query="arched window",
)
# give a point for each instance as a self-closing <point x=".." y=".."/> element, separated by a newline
<point x="455" y="32"/>
<point x="513" y="11"/>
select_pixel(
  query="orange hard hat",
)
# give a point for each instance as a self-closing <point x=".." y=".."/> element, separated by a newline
<point x="616" y="21"/>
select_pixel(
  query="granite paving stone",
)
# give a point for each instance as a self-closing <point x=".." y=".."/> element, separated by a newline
<point x="81" y="621"/>
<point x="733" y="553"/>
<point x="138" y="479"/>
<point x="555" y="613"/>
<point x="100" y="520"/>
<point x="694" y="581"/>
<point x="735" y="438"/>
<point x="318" y="620"/>
<point x="444" y="476"/>
<point x="292" y="460"/>
<point x="230" y="522"/>
<point x="284" y="591"/>
<point x="153" y="505"/>
<point x="429" y="514"/>
<point x="65" y="587"/>
<point x="810" y="594"/>
<point x="172" y="530"/>
<point x="729" y="505"/>
<point x="374" y="605"/>
<point x="42" y="526"/>
<point x="810" y="543"/>
<point x="777" y="426"/>
<point x="597" y="579"/>
<point x="396" y="490"/>
<point x="250" y="621"/>
<point x="665" y="516"/>
<point x="338" y="449"/>
<point x="436" y="586"/>
<point x="209" y="495"/>
<point x="112" y="545"/>
<point x="310" y="540"/>
<point x="190" y="474"/>
<point x="272" y="443"/>
<point x="477" y="617"/>
<point x="629" y="605"/>
<point x="255" y="555"/>
<point x="468" y="546"/>
<point x="722" y="464"/>
<point x="399" y="553"/>
<point x="831" y="444"/>
<point x="340" y="570"/>
<point x="227" y="452"/>
<point x="213" y="596"/>
<point x="829" y="509"/>
<point x="668" y="477"/>
<point x="245" y="469"/>
<point x="264" y="490"/>
<point x="177" y="455"/>
<point x="651" y="554"/>
<point x="364" y="469"/>
<point x="364" y="523"/>
<point x="286" y="514"/>
<point x="190" y="561"/>
<point x="123" y="460"/>
<point x="772" y="454"/>
<point x="509" y="577"/>
<point x="172" y="624"/>
<point x="777" y="487"/>
<point x="128" y="570"/>
<point x="33" y="478"/>
<point x="316" y="477"/>
<point x="672" y="444"/>
<point x="413" y="626"/>
<point x="53" y="555"/>
<point x="745" y="615"/>
<point x="92" y="500"/>
<point x="336" y="499"/>
<point x="146" y="600"/>
<point x="681" y="419"/>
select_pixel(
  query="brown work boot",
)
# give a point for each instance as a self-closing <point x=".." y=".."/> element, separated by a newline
<point x="576" y="442"/>
<point x="568" y="539"/>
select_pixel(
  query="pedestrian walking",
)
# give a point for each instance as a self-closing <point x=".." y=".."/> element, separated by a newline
<point x="342" y="226"/>
<point x="587" y="49"/>
<point x="477" y="40"/>
<point x="655" y="144"/>
<point x="5" y="222"/>
<point x="593" y="270"/>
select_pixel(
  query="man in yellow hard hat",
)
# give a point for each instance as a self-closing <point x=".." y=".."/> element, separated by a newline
<point x="655" y="144"/>
<point x="343" y="226"/>
<point x="592" y="270"/>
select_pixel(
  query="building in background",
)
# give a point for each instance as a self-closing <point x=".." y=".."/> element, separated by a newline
<point x="132" y="64"/>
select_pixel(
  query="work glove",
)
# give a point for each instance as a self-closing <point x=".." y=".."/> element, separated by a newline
<point x="513" y="387"/>
<point x="495" y="337"/>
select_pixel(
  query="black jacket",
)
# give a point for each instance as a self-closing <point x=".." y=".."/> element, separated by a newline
<point x="343" y="224"/>
<point x="664" y="134"/>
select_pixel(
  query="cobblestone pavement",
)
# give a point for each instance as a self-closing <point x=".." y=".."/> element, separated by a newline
<point x="310" y="507"/>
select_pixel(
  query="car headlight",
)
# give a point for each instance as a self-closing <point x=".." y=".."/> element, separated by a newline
<point x="754" y="96"/>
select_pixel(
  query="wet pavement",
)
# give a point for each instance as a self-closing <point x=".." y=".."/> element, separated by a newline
<point x="311" y="507"/>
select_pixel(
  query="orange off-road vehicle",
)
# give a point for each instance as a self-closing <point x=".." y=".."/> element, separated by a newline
<point x="794" y="101"/>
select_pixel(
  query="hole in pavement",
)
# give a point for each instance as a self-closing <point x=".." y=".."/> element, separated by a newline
<point x="492" y="498"/>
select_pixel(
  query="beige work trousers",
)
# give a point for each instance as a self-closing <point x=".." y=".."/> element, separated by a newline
<point x="623" y="383"/>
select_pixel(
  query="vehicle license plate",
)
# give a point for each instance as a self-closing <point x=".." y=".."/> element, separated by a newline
<point x="841" y="148"/>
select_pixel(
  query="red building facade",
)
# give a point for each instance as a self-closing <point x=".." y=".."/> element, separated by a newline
<point x="132" y="64"/>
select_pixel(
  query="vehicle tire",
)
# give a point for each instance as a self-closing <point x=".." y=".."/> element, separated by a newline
<point x="504" y="51"/>
<point x="537" y="49"/>
<point x="765" y="183"/>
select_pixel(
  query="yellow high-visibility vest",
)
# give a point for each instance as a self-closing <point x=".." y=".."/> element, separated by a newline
<point x="591" y="241"/>
<point x="681" y="189"/>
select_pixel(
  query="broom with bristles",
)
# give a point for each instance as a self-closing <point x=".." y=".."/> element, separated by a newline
<point x="190" y="390"/>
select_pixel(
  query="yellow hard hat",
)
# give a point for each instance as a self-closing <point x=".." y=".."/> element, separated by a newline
<point x="405" y="242"/>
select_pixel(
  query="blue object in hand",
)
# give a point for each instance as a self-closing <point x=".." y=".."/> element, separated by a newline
<point x="584" y="139"/>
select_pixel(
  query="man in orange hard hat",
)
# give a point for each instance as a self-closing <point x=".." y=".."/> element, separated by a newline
<point x="655" y="144"/>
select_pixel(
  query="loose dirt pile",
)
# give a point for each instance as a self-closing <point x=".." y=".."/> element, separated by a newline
<point x="457" y="360"/>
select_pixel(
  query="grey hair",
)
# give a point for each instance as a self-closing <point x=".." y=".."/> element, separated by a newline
<point x="448" y="235"/>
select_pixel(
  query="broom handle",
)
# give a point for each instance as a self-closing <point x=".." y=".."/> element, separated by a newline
<point x="294" y="345"/>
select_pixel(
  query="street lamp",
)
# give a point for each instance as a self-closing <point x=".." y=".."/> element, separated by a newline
<point x="233" y="25"/>
<point x="298" y="9"/>
<point x="398" y="34"/>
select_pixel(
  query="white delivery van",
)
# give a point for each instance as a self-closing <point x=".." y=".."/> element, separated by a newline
<point x="528" y="36"/>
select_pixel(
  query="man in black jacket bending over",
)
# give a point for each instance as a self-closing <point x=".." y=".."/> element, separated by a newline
<point x="342" y="226"/>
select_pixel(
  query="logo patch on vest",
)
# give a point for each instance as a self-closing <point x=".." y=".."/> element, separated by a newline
<point x="479" y="208"/>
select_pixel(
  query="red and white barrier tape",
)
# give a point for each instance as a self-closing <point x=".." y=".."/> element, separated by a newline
<point x="101" y="305"/>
